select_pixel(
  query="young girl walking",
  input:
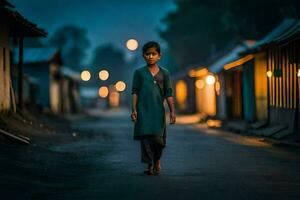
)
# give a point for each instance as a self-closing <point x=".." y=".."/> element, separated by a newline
<point x="151" y="85"/>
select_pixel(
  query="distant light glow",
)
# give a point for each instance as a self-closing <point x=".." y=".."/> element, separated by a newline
<point x="210" y="80"/>
<point x="214" y="123"/>
<point x="199" y="84"/>
<point x="181" y="94"/>
<point x="120" y="86"/>
<point x="269" y="73"/>
<point x="114" y="99"/>
<point x="132" y="44"/>
<point x="103" y="92"/>
<point x="298" y="74"/>
<point x="85" y="75"/>
<point x="198" y="73"/>
<point x="103" y="75"/>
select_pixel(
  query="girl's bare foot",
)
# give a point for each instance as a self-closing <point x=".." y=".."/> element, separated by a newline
<point x="149" y="170"/>
<point x="157" y="166"/>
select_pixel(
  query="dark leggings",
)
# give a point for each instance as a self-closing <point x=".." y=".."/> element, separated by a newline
<point x="151" y="150"/>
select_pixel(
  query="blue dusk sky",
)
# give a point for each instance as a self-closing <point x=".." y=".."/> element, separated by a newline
<point x="106" y="21"/>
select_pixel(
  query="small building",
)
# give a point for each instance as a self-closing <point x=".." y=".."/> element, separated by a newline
<point x="234" y="85"/>
<point x="282" y="47"/>
<point x="13" y="26"/>
<point x="205" y="94"/>
<point x="70" y="91"/>
<point x="44" y="65"/>
<point x="271" y="86"/>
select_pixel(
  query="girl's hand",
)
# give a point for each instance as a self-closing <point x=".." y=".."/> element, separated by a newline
<point x="134" y="116"/>
<point x="172" y="118"/>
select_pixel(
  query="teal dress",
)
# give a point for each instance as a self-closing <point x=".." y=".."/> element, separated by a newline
<point x="150" y="106"/>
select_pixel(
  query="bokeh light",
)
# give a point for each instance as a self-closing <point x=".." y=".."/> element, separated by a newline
<point x="210" y="80"/>
<point x="114" y="99"/>
<point x="103" y="75"/>
<point x="120" y="86"/>
<point x="103" y="92"/>
<point x="200" y="84"/>
<point x="85" y="75"/>
<point x="132" y="44"/>
<point x="269" y="73"/>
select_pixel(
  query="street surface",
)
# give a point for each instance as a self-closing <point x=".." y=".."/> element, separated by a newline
<point x="103" y="162"/>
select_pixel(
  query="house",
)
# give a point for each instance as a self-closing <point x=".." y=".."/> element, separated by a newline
<point x="13" y="26"/>
<point x="44" y="65"/>
<point x="281" y="48"/>
<point x="270" y="85"/>
<point x="233" y="85"/>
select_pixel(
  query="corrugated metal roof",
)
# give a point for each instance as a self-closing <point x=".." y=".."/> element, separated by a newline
<point x="294" y="30"/>
<point x="34" y="55"/>
<point x="284" y="26"/>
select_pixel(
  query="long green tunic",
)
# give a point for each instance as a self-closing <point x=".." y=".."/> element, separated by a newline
<point x="150" y="105"/>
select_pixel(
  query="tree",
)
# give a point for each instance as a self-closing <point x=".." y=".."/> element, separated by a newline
<point x="198" y="29"/>
<point x="112" y="59"/>
<point x="73" y="42"/>
<point x="252" y="19"/>
<point x="195" y="31"/>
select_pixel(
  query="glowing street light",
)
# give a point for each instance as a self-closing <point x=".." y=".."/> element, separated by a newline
<point x="85" y="75"/>
<point x="298" y="74"/>
<point x="103" y="92"/>
<point x="132" y="44"/>
<point x="210" y="80"/>
<point x="120" y="86"/>
<point x="103" y="75"/>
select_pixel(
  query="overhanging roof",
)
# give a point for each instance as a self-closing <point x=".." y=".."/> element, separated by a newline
<point x="18" y="25"/>
<point x="274" y="35"/>
<point x="231" y="56"/>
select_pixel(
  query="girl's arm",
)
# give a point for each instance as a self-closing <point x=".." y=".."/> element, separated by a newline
<point x="135" y="91"/>
<point x="134" y="107"/>
<point x="170" y="101"/>
<point x="134" y="102"/>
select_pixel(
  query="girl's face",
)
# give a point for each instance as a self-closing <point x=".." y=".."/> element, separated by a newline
<point x="151" y="56"/>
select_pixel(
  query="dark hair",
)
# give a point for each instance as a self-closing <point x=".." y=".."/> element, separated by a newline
<point x="151" y="44"/>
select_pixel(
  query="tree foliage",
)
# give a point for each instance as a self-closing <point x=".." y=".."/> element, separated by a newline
<point x="194" y="31"/>
<point x="112" y="59"/>
<point x="199" y="29"/>
<point x="73" y="42"/>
